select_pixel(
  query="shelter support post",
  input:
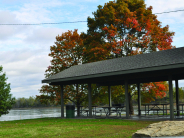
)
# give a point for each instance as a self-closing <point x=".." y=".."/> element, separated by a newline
<point x="90" y="100"/>
<point x="177" y="97"/>
<point x="109" y="93"/>
<point x="171" y="98"/>
<point x="78" y="104"/>
<point x="139" y="99"/>
<point x="127" y="99"/>
<point x="62" y="102"/>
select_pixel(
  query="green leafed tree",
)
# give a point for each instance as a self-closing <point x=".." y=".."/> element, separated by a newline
<point x="6" y="99"/>
<point x="67" y="52"/>
<point x="181" y="93"/>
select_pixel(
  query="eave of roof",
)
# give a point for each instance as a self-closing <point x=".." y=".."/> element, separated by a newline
<point x="172" y="66"/>
<point x="155" y="61"/>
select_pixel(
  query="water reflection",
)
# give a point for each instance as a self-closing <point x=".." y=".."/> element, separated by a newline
<point x="30" y="114"/>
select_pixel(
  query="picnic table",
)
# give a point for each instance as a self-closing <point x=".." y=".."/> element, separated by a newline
<point x="155" y="107"/>
<point x="93" y="110"/>
<point x="108" y="110"/>
<point x="82" y="111"/>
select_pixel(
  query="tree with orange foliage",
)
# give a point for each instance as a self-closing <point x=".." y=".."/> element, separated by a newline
<point x="124" y="28"/>
<point x="119" y="29"/>
<point x="67" y="51"/>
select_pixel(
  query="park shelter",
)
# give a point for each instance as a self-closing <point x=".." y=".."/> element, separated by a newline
<point x="166" y="65"/>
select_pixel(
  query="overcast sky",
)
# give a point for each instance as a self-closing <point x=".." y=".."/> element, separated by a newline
<point x="24" y="49"/>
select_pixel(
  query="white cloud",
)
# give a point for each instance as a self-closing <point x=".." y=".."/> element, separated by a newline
<point x="7" y="17"/>
<point x="25" y="68"/>
<point x="24" y="61"/>
<point x="43" y="35"/>
<point x="160" y="6"/>
<point x="8" y="31"/>
<point x="175" y="20"/>
<point x="26" y="92"/>
<point x="39" y="12"/>
<point x="13" y="1"/>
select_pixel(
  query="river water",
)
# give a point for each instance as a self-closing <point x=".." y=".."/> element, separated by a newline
<point x="19" y="114"/>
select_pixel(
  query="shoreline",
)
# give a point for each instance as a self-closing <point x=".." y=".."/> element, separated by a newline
<point x="34" y="108"/>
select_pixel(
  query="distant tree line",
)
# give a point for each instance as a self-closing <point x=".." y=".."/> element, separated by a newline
<point x="31" y="102"/>
<point x="181" y="93"/>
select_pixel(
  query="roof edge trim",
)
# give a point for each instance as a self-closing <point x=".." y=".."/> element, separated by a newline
<point x="171" y="66"/>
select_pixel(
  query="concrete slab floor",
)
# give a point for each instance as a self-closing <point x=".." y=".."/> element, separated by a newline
<point x="133" y="117"/>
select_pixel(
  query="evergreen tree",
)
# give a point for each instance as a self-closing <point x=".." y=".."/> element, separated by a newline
<point x="6" y="100"/>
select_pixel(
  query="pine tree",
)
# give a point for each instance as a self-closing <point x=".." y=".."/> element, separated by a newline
<point x="6" y="100"/>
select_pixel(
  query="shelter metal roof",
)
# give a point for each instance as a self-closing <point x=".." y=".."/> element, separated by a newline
<point x="155" y="66"/>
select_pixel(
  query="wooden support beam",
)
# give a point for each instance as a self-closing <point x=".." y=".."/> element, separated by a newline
<point x="62" y="102"/>
<point x="171" y="98"/>
<point x="127" y="99"/>
<point x="139" y="99"/>
<point x="109" y="92"/>
<point x="90" y="100"/>
<point x="177" y="97"/>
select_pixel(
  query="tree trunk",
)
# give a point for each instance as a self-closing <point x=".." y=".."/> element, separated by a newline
<point x="131" y="110"/>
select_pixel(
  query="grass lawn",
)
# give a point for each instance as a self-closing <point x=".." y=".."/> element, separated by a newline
<point x="71" y="128"/>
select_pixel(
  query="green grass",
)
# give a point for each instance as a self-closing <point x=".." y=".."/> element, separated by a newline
<point x="71" y="128"/>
